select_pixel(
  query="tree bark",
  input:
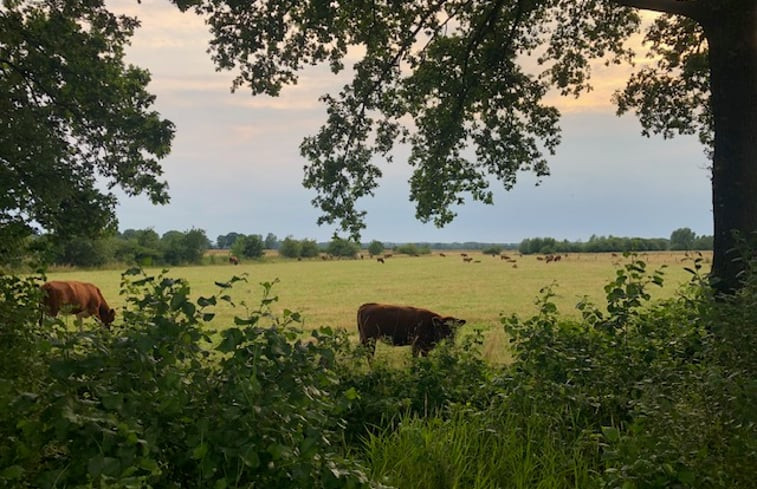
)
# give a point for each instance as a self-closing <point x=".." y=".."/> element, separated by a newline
<point x="732" y="37"/>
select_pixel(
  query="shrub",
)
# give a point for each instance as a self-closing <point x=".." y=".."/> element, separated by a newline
<point x="492" y="250"/>
<point x="375" y="247"/>
<point x="290" y="248"/>
<point x="342" y="247"/>
<point x="152" y="404"/>
<point x="248" y="246"/>
<point x="309" y="248"/>
<point x="412" y="249"/>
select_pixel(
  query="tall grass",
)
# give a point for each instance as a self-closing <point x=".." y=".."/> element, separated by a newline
<point x="491" y="449"/>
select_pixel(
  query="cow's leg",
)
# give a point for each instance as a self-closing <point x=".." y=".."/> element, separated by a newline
<point x="370" y="345"/>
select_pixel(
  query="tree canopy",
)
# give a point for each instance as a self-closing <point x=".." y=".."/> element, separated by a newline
<point x="76" y="121"/>
<point x="451" y="80"/>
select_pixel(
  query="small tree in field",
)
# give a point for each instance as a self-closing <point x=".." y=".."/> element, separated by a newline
<point x="248" y="246"/>
<point x="375" y="247"/>
<point x="682" y="239"/>
<point x="492" y="250"/>
<point x="290" y="248"/>
<point x="342" y="247"/>
<point x="271" y="242"/>
<point x="308" y="248"/>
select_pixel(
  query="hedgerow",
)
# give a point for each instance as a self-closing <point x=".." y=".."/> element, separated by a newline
<point x="634" y="394"/>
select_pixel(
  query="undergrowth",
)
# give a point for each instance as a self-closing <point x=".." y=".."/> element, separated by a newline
<point x="635" y="394"/>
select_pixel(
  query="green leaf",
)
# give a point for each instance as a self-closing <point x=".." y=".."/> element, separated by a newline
<point x="250" y="457"/>
<point x="246" y="322"/>
<point x="200" y="451"/>
<point x="611" y="433"/>
<point x="12" y="472"/>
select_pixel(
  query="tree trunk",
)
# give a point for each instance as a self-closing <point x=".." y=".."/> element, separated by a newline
<point x="732" y="37"/>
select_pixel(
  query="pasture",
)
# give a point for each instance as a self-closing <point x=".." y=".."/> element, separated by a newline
<point x="328" y="292"/>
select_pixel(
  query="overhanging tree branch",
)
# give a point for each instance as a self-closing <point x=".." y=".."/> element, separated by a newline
<point x="688" y="8"/>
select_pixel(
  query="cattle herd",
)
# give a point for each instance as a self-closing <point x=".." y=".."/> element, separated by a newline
<point x="398" y="325"/>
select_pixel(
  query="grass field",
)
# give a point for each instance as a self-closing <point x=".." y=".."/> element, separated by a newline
<point x="329" y="292"/>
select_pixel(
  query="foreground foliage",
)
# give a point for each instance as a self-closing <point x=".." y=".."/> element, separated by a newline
<point x="633" y="395"/>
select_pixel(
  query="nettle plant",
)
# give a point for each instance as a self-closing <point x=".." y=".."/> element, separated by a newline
<point x="158" y="401"/>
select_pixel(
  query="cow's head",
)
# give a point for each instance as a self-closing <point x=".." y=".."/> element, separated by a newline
<point x="446" y="327"/>
<point x="107" y="315"/>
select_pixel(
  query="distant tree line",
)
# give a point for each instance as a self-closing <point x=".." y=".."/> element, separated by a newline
<point x="132" y="246"/>
<point x="147" y="247"/>
<point x="680" y="239"/>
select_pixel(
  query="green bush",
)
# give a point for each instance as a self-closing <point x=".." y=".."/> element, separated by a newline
<point x="152" y="403"/>
<point x="412" y="249"/>
<point x="248" y="246"/>
<point x="648" y="380"/>
<point x="309" y="248"/>
<point x="342" y="247"/>
<point x="290" y="248"/>
<point x="375" y="247"/>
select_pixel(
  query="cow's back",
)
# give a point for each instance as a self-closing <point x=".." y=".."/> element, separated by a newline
<point x="76" y="297"/>
<point x="401" y="325"/>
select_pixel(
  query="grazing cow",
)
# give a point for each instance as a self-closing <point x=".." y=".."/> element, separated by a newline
<point x="442" y="255"/>
<point x="80" y="298"/>
<point x="463" y="254"/>
<point x="388" y="255"/>
<point x="404" y="325"/>
<point x="467" y="259"/>
<point x="233" y="260"/>
<point x="380" y="260"/>
<point x="540" y="258"/>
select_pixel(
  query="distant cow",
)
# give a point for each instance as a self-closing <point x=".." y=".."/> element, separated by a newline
<point x="233" y="260"/>
<point x="72" y="297"/>
<point x="404" y="325"/>
<point x="442" y="255"/>
<point x="467" y="259"/>
<point x="380" y="260"/>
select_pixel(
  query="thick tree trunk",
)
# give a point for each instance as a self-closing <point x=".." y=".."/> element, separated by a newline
<point x="732" y="37"/>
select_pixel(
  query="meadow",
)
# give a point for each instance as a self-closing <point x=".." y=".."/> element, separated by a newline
<point x="328" y="292"/>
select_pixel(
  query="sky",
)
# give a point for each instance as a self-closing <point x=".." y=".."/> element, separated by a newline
<point x="235" y="164"/>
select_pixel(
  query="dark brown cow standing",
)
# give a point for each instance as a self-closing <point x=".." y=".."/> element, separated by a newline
<point x="404" y="325"/>
<point x="233" y="260"/>
<point x="80" y="298"/>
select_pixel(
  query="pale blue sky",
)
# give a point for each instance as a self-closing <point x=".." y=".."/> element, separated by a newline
<point x="235" y="164"/>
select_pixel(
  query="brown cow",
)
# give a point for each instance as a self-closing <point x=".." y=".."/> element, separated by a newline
<point x="404" y="325"/>
<point x="80" y="298"/>
<point x="380" y="260"/>
<point x="233" y="260"/>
